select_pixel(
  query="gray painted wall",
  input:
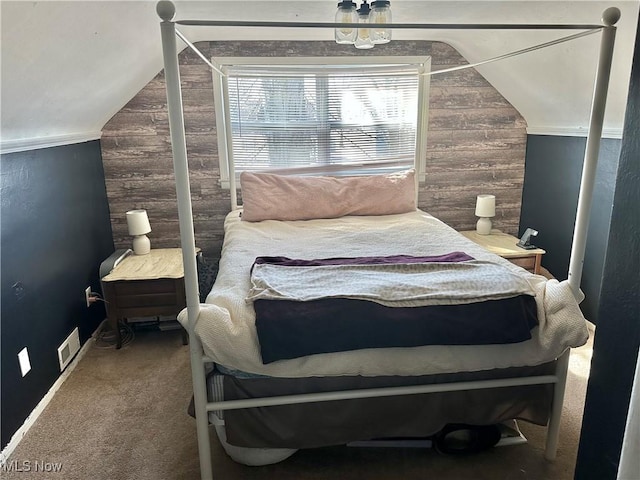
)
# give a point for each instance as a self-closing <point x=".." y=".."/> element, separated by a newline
<point x="553" y="170"/>
<point x="55" y="232"/>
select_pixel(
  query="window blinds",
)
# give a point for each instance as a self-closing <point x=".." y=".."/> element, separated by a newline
<point x="314" y="119"/>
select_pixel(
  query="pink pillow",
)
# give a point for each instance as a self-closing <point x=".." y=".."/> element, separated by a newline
<point x="266" y="196"/>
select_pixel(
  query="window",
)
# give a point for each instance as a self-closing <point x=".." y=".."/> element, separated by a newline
<point x="322" y="115"/>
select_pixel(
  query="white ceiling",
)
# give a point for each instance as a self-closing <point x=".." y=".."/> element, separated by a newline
<point x="68" y="67"/>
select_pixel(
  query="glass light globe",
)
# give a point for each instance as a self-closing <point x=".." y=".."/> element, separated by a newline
<point x="380" y="13"/>
<point x="364" y="40"/>
<point x="346" y="13"/>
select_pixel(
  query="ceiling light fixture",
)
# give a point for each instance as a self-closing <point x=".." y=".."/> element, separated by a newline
<point x="379" y="13"/>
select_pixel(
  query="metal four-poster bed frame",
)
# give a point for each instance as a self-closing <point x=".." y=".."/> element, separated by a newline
<point x="166" y="11"/>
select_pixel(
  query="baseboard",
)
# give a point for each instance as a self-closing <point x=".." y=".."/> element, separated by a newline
<point x="33" y="416"/>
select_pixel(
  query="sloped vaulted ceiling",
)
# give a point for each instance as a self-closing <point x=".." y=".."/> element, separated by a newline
<point x="68" y="67"/>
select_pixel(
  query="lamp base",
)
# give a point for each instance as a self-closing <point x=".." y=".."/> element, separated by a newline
<point x="141" y="245"/>
<point x="483" y="227"/>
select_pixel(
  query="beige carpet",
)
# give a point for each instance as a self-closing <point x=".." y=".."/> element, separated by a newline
<point x="122" y="415"/>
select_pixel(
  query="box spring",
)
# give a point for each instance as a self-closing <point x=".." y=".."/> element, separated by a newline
<point x="320" y="424"/>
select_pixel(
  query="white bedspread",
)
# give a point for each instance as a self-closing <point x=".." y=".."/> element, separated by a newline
<point x="226" y="325"/>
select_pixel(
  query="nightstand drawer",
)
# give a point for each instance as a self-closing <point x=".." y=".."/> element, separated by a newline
<point x="528" y="263"/>
<point x="147" y="300"/>
<point x="126" y="296"/>
<point x="136" y="287"/>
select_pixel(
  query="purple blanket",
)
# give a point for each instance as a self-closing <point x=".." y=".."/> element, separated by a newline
<point x="291" y="329"/>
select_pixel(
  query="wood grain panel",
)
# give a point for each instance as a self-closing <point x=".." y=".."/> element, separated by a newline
<point x="476" y="144"/>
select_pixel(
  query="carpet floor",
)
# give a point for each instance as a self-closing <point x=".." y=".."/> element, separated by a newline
<point x="123" y="415"/>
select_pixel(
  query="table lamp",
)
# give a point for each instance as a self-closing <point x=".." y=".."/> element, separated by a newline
<point x="485" y="209"/>
<point x="138" y="224"/>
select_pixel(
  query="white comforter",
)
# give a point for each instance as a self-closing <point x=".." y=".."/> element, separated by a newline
<point x="226" y="324"/>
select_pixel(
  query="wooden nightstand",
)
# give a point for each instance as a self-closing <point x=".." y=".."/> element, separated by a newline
<point x="145" y="286"/>
<point x="505" y="245"/>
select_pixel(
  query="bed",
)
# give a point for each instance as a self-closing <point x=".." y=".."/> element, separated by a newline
<point x="391" y="297"/>
<point x="524" y="377"/>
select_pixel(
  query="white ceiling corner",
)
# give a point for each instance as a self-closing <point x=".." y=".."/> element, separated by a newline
<point x="69" y="66"/>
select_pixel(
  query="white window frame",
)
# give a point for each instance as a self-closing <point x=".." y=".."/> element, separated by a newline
<point x="220" y="93"/>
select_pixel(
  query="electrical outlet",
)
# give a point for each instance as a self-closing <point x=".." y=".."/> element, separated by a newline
<point x="87" y="295"/>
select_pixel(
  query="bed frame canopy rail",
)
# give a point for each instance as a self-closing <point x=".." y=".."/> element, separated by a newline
<point x="166" y="11"/>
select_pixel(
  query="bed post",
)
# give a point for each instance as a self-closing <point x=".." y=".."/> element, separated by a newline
<point x="166" y="11"/>
<point x="609" y="17"/>
<point x="553" y="428"/>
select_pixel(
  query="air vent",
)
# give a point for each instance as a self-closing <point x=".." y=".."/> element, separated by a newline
<point x="68" y="349"/>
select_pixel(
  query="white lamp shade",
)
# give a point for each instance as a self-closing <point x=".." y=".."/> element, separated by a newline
<point x="486" y="206"/>
<point x="138" y="222"/>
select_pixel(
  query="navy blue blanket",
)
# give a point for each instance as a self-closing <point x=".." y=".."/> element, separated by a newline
<point x="291" y="329"/>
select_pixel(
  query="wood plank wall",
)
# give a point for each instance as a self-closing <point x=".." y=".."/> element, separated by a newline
<point x="476" y="144"/>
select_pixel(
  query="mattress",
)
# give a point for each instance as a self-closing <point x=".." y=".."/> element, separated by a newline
<point x="226" y="324"/>
<point x="307" y="307"/>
